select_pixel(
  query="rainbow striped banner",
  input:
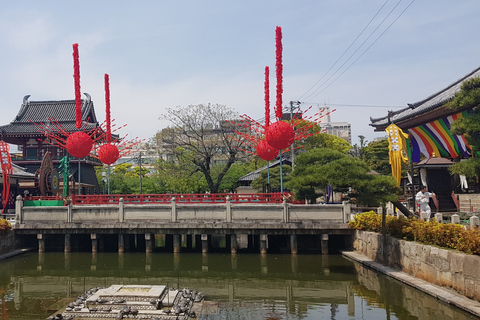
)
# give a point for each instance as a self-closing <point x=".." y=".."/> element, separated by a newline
<point x="435" y="139"/>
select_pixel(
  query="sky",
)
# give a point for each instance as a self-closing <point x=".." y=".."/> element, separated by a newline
<point x="361" y="58"/>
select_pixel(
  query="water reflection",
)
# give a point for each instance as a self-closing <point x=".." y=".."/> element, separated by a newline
<point x="246" y="286"/>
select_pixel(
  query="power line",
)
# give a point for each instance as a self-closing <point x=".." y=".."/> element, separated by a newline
<point x="312" y="94"/>
<point x="351" y="105"/>
<point x="346" y="50"/>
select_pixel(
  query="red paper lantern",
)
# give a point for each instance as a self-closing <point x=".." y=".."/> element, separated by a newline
<point x="79" y="144"/>
<point x="266" y="152"/>
<point x="108" y="153"/>
<point x="280" y="135"/>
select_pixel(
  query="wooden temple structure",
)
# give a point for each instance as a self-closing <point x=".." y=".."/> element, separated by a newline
<point x="433" y="148"/>
<point x="32" y="143"/>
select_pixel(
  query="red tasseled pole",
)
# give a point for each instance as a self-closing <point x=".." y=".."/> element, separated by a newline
<point x="267" y="97"/>
<point x="107" y="107"/>
<point x="76" y="77"/>
<point x="279" y="71"/>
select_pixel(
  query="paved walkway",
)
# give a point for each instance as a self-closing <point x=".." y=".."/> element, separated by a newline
<point x="443" y="294"/>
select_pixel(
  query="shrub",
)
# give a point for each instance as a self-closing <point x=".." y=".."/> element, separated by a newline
<point x="452" y="236"/>
<point x="5" y="226"/>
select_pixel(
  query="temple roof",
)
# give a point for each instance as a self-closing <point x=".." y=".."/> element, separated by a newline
<point x="428" y="108"/>
<point x="19" y="172"/>
<point x="63" y="111"/>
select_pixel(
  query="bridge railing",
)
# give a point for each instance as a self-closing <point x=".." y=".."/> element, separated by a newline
<point x="167" y="198"/>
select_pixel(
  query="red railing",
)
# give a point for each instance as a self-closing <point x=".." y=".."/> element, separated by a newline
<point x="167" y="198"/>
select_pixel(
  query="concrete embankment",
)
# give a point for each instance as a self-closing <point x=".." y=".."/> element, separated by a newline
<point x="450" y="276"/>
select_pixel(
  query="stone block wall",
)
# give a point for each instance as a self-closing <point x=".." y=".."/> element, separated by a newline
<point x="442" y="267"/>
<point x="7" y="242"/>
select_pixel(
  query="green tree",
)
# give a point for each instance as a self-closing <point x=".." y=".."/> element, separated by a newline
<point x="468" y="97"/>
<point x="377" y="157"/>
<point x="260" y="183"/>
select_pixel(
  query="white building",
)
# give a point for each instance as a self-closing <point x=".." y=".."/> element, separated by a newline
<point x="340" y="129"/>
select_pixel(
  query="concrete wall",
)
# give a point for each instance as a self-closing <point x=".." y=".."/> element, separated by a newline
<point x="441" y="267"/>
<point x="175" y="212"/>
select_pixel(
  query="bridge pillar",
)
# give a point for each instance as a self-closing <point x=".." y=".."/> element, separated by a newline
<point x="324" y="243"/>
<point x="233" y="243"/>
<point x="177" y="244"/>
<point x="67" y="246"/>
<point x="204" y="243"/>
<point x="121" y="243"/>
<point x="93" y="237"/>
<point x="41" y="242"/>
<point x="293" y="244"/>
<point x="263" y="243"/>
<point x="149" y="242"/>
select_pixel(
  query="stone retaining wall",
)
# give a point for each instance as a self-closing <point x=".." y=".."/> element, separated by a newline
<point x="441" y="267"/>
<point x="7" y="242"/>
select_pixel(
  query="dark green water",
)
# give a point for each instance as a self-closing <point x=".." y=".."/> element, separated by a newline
<point x="246" y="286"/>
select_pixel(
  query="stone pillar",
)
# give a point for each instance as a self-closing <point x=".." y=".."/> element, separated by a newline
<point x="455" y="218"/>
<point x="41" y="242"/>
<point x="121" y="210"/>
<point x="286" y="213"/>
<point x="263" y="243"/>
<point x="69" y="213"/>
<point x="438" y="217"/>
<point x="93" y="237"/>
<point x="324" y="243"/>
<point x="18" y="210"/>
<point x="174" y="209"/>
<point x="149" y="242"/>
<point x="204" y="243"/>
<point x="228" y="204"/>
<point x="347" y="211"/>
<point x="474" y="221"/>
<point x="176" y="243"/>
<point x="233" y="244"/>
<point x="67" y="246"/>
<point x="293" y="244"/>
<point x="121" y="243"/>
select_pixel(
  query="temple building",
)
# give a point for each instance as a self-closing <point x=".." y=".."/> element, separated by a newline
<point x="432" y="146"/>
<point x="32" y="143"/>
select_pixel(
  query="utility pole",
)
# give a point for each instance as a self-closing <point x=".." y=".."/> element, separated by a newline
<point x="140" y="171"/>
<point x="292" y="152"/>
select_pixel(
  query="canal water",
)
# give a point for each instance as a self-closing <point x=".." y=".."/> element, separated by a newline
<point x="243" y="286"/>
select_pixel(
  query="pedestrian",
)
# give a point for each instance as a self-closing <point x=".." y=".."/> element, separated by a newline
<point x="423" y="198"/>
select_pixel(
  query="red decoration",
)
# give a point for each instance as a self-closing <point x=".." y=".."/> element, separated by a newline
<point x="79" y="144"/>
<point x="7" y="170"/>
<point x="76" y="77"/>
<point x="267" y="96"/>
<point x="108" y="153"/>
<point x="266" y="152"/>
<point x="279" y="72"/>
<point x="107" y="108"/>
<point x="280" y="135"/>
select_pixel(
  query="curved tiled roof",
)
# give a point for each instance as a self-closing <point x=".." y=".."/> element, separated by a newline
<point x="63" y="111"/>
<point x="432" y="102"/>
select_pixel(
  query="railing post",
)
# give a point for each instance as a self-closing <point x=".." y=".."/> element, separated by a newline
<point x="228" y="204"/>
<point x="18" y="210"/>
<point x="174" y="210"/>
<point x="121" y="210"/>
<point x="439" y="217"/>
<point x="69" y="213"/>
<point x="455" y="218"/>
<point x="347" y="210"/>
<point x="474" y="221"/>
<point x="286" y="211"/>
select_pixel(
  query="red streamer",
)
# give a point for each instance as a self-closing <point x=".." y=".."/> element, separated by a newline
<point x="107" y="107"/>
<point x="76" y="77"/>
<point x="267" y="97"/>
<point x="279" y="72"/>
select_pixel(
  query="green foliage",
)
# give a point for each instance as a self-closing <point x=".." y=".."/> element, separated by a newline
<point x="325" y="140"/>
<point x="5" y="226"/>
<point x="260" y="182"/>
<point x="451" y="236"/>
<point x="376" y="156"/>
<point x="469" y="168"/>
<point x="468" y="96"/>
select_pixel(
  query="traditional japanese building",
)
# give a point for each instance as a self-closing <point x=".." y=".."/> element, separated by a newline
<point x="32" y="143"/>
<point x="427" y="123"/>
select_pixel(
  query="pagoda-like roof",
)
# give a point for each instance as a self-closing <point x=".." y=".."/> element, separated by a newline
<point x="426" y="110"/>
<point x="44" y="112"/>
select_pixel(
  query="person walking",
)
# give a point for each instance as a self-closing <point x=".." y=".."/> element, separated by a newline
<point x="423" y="198"/>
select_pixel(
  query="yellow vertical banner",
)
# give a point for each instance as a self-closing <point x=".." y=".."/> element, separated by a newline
<point x="397" y="153"/>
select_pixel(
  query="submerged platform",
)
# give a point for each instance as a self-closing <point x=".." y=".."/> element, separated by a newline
<point x="154" y="302"/>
